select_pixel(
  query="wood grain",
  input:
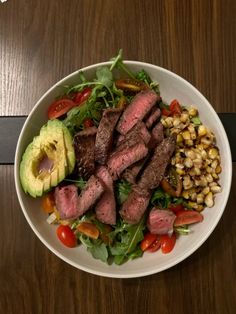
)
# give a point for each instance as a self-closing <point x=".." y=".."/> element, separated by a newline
<point x="33" y="280"/>
<point x="42" y="41"/>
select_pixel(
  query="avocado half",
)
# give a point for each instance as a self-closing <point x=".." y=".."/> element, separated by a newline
<point x="48" y="159"/>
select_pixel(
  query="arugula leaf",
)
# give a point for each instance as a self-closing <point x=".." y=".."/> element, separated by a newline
<point x="143" y="76"/>
<point x="160" y="198"/>
<point x="183" y="230"/>
<point x="99" y="251"/>
<point x="119" y="64"/>
<point x="104" y="76"/>
<point x="79" y="182"/>
<point x="123" y="189"/>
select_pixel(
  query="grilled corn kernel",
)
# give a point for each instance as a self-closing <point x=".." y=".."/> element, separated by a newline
<point x="214" y="164"/>
<point x="186" y="135"/>
<point x="202" y="130"/>
<point x="185" y="194"/>
<point x="193" y="204"/>
<point x="209" y="178"/>
<point x="206" y="190"/>
<point x="216" y="189"/>
<point x="176" y="122"/>
<point x="213" y="153"/>
<point x="206" y="141"/>
<point x="179" y="138"/>
<point x="218" y="169"/>
<point x="187" y="182"/>
<point x="184" y="117"/>
<point x="191" y="128"/>
<point x="197" y="162"/>
<point x="199" y="208"/>
<point x="180" y="171"/>
<point x="189" y="142"/>
<point x="190" y="153"/>
<point x="197" y="171"/>
<point x="163" y="122"/>
<point x="209" y="200"/>
<point x="193" y="196"/>
<point x="215" y="176"/>
<point x="192" y="111"/>
<point x="179" y="166"/>
<point x="188" y="162"/>
<point x="193" y="136"/>
<point x="203" y="181"/>
<point x="169" y="122"/>
<point x="200" y="198"/>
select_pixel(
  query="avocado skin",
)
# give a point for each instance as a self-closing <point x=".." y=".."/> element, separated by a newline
<point x="54" y="142"/>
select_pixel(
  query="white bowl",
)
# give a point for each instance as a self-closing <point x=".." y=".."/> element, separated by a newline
<point x="171" y="86"/>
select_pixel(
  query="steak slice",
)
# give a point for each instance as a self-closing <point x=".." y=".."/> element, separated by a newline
<point x="153" y="117"/>
<point x="106" y="206"/>
<point x="84" y="143"/>
<point x="157" y="135"/>
<point x="160" y="221"/>
<point x="123" y="158"/>
<point x="138" y="133"/>
<point x="89" y="195"/>
<point x="66" y="199"/>
<point x="104" y="136"/>
<point x="134" y="207"/>
<point x="130" y="174"/>
<point x="140" y="105"/>
<point x="155" y="169"/>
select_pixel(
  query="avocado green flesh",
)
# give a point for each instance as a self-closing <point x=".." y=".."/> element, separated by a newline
<point x="48" y="159"/>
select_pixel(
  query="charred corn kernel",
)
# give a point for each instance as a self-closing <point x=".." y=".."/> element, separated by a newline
<point x="188" y="162"/>
<point x="169" y="122"/>
<point x="192" y="111"/>
<point x="218" y="169"/>
<point x="197" y="162"/>
<point x="185" y="194"/>
<point x="214" y="164"/>
<point x="206" y="190"/>
<point x="180" y="171"/>
<point x="209" y="178"/>
<point x="179" y="138"/>
<point x="163" y="122"/>
<point x="176" y="122"/>
<point x="179" y="166"/>
<point x="189" y="142"/>
<point x="197" y="171"/>
<point x="186" y="135"/>
<point x="193" y="205"/>
<point x="193" y="196"/>
<point x="184" y="117"/>
<point x="209" y="169"/>
<point x="199" y="208"/>
<point x="190" y="153"/>
<point x="206" y="142"/>
<point x="215" y="176"/>
<point x="209" y="200"/>
<point x="213" y="153"/>
<point x="216" y="189"/>
<point x="212" y="184"/>
<point x="202" y="130"/>
<point x="200" y="198"/>
<point x="187" y="182"/>
<point x="203" y="181"/>
<point x="193" y="136"/>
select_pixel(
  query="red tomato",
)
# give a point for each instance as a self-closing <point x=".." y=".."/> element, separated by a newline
<point x="66" y="236"/>
<point x="176" y="208"/>
<point x="187" y="217"/>
<point x="155" y="245"/>
<point x="60" y="107"/>
<point x="88" y="123"/>
<point x="165" y="112"/>
<point x="148" y="240"/>
<point x="175" y="107"/>
<point x="167" y="243"/>
<point x="80" y="97"/>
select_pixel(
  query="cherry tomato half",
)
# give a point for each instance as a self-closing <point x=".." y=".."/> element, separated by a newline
<point x="187" y="217"/>
<point x="60" y="107"/>
<point x="175" y="107"/>
<point x="80" y="97"/>
<point x="88" y="123"/>
<point x="176" y="208"/>
<point x="148" y="240"/>
<point x="165" y="112"/>
<point x="155" y="245"/>
<point x="66" y="236"/>
<point x="167" y="243"/>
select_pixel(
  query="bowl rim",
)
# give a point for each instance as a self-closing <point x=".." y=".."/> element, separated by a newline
<point x="110" y="274"/>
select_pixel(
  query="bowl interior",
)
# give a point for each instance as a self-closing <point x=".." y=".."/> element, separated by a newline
<point x="171" y="87"/>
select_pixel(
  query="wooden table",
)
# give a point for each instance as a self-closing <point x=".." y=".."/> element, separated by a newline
<point x="41" y="41"/>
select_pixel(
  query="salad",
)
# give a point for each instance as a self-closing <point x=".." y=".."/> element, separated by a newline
<point x="118" y="169"/>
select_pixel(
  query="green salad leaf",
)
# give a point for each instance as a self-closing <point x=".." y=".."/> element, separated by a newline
<point x="122" y="189"/>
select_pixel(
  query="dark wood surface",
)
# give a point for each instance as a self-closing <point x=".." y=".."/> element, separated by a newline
<point x="43" y="40"/>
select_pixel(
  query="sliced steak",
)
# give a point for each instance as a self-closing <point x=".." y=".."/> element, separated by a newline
<point x="157" y="135"/>
<point x="104" y="136"/>
<point x="155" y="169"/>
<point x="134" y="207"/>
<point x="66" y="199"/>
<point x="141" y="104"/>
<point x="84" y="144"/>
<point x="106" y="206"/>
<point x="160" y="221"/>
<point x="130" y="174"/>
<point x="123" y="158"/>
<point x="153" y="117"/>
<point x="89" y="195"/>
